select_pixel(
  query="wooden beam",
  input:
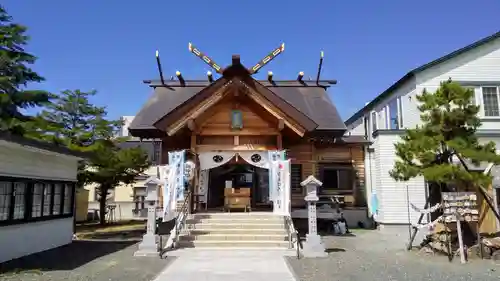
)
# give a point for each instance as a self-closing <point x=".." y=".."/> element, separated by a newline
<point x="242" y="132"/>
<point x="279" y="142"/>
<point x="192" y="114"/>
<point x="245" y="147"/>
<point x="193" y="142"/>
<point x="191" y="125"/>
<point x="281" y="124"/>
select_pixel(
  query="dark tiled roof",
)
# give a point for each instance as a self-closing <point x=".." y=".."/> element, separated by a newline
<point x="5" y="136"/>
<point x="412" y="73"/>
<point x="315" y="103"/>
<point x="312" y="100"/>
<point x="162" y="101"/>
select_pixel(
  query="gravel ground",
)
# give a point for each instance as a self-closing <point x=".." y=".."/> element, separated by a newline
<point x="85" y="260"/>
<point x="371" y="256"/>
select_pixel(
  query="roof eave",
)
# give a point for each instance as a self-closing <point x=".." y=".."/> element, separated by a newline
<point x="410" y="74"/>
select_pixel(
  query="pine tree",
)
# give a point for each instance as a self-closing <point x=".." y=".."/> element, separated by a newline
<point x="449" y="125"/>
<point x="73" y="121"/>
<point x="15" y="75"/>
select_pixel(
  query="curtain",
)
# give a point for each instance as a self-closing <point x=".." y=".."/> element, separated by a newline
<point x="203" y="186"/>
<point x="213" y="159"/>
<point x="274" y="155"/>
<point x="256" y="158"/>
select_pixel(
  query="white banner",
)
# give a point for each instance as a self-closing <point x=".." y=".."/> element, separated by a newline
<point x="281" y="172"/>
<point x="169" y="204"/>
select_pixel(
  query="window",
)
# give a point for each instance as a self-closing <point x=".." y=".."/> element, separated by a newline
<point x="366" y="125"/>
<point x="400" y="110"/>
<point x="5" y="199"/>
<point x="19" y="200"/>
<point x="139" y="202"/>
<point x="47" y="199"/>
<point x="491" y="106"/>
<point x="56" y="209"/>
<point x="336" y="176"/>
<point x="156" y="153"/>
<point x="25" y="200"/>
<point x="382" y="119"/>
<point x="393" y="115"/>
<point x="374" y="121"/>
<point x="68" y="196"/>
<point x="37" y="206"/>
<point x="296" y="178"/>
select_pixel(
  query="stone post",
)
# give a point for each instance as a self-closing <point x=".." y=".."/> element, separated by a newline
<point x="148" y="246"/>
<point x="313" y="247"/>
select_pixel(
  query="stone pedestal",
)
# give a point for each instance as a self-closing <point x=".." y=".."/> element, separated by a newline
<point x="313" y="247"/>
<point x="148" y="246"/>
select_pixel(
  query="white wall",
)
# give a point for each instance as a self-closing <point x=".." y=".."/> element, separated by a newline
<point x="25" y="239"/>
<point x="392" y="195"/>
<point x="481" y="64"/>
<point x="127" y="120"/>
<point x="24" y="162"/>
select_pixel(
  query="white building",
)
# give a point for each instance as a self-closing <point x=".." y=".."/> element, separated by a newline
<point x="126" y="122"/>
<point x="383" y="119"/>
<point x="37" y="187"/>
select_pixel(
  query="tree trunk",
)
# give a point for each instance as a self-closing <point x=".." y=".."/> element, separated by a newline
<point x="103" y="194"/>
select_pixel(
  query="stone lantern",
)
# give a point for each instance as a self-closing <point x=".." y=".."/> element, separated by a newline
<point x="313" y="247"/>
<point x="148" y="246"/>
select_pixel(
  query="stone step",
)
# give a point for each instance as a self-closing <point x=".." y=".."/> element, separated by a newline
<point x="252" y="252"/>
<point x="237" y="216"/>
<point x="234" y="237"/>
<point x="236" y="221"/>
<point x="232" y="244"/>
<point x="201" y="231"/>
<point x="235" y="225"/>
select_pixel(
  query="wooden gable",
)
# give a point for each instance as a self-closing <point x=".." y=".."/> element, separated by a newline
<point x="231" y="95"/>
<point x="218" y="120"/>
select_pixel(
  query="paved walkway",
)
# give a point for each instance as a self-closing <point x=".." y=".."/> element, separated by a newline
<point x="224" y="265"/>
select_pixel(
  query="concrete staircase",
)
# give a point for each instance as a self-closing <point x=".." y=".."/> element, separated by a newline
<point x="234" y="230"/>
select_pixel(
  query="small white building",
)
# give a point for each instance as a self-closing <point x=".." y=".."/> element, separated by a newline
<point x="384" y="119"/>
<point x="37" y="187"/>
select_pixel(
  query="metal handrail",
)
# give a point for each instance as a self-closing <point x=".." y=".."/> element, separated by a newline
<point x="179" y="222"/>
<point x="289" y="230"/>
<point x="292" y="232"/>
<point x="181" y="218"/>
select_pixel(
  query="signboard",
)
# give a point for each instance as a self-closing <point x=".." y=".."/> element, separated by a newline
<point x="463" y="203"/>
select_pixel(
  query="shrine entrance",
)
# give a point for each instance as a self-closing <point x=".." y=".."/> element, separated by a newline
<point x="242" y="178"/>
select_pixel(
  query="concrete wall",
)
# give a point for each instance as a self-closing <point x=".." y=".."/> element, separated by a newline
<point x="24" y="239"/>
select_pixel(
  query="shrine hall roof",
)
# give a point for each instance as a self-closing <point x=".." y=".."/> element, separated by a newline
<point x="306" y="96"/>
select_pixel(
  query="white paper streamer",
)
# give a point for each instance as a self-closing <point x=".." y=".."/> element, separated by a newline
<point x="426" y="211"/>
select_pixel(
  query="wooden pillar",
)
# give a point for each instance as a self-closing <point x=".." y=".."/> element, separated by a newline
<point x="279" y="142"/>
<point x="192" y="187"/>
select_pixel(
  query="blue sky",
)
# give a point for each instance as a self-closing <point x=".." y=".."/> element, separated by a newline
<point x="109" y="45"/>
